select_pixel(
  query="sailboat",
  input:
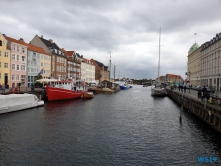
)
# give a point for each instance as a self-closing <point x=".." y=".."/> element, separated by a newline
<point x="158" y="88"/>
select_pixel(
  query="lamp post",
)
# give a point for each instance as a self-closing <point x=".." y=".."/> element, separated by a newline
<point x="189" y="80"/>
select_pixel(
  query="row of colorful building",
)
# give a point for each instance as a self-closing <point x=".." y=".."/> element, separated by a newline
<point x="21" y="62"/>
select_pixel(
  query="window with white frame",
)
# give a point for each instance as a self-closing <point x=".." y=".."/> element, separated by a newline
<point x="23" y="67"/>
<point x="18" y="67"/>
<point x="17" y="77"/>
<point x="6" y="54"/>
<point x="18" y="48"/>
<point x="23" y="58"/>
<point x="6" y="65"/>
<point x="13" y="47"/>
<point x="17" y="57"/>
<point x="13" y="56"/>
<point x="23" y="50"/>
<point x="13" y="77"/>
<point x="13" y="66"/>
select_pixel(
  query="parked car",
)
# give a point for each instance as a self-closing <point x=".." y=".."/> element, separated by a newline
<point x="208" y="89"/>
<point x="212" y="89"/>
<point x="198" y="88"/>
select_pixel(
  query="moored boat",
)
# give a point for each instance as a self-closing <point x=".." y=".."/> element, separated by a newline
<point x="87" y="95"/>
<point x="61" y="93"/>
<point x="64" y="90"/>
<point x="94" y="89"/>
<point x="17" y="102"/>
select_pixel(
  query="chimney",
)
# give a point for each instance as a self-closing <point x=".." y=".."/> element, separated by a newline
<point x="51" y="40"/>
<point x="21" y="39"/>
<point x="42" y="37"/>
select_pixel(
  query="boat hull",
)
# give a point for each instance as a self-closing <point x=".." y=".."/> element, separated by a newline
<point x="158" y="91"/>
<point x="95" y="91"/>
<point x="87" y="95"/>
<point x="55" y="94"/>
<point x="17" y="102"/>
<point x="124" y="87"/>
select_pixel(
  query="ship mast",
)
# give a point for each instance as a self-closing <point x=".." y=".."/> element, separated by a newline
<point x="159" y="57"/>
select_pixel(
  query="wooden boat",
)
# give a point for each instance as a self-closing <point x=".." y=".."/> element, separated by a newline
<point x="94" y="89"/>
<point x="107" y="90"/>
<point x="17" y="102"/>
<point x="87" y="95"/>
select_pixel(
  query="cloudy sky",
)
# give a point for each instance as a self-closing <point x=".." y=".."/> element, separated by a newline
<point x="128" y="30"/>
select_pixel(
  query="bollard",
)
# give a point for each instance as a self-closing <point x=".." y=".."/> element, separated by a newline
<point x="181" y="113"/>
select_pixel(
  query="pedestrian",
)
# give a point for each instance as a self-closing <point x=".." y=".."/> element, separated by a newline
<point x="181" y="87"/>
<point x="204" y="92"/>
<point x="3" y="88"/>
<point x="184" y="88"/>
<point x="7" y="88"/>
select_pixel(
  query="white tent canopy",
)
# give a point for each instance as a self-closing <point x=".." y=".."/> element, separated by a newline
<point x="46" y="80"/>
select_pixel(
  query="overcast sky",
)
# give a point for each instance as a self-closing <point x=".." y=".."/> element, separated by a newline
<point x="126" y="29"/>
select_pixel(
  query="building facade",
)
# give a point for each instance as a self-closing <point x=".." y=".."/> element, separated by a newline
<point x="211" y="63"/>
<point x="58" y="58"/>
<point x="5" y="75"/>
<point x="101" y="71"/>
<point x="87" y="70"/>
<point x="18" y="62"/>
<point x="74" y="65"/>
<point x="193" y="65"/>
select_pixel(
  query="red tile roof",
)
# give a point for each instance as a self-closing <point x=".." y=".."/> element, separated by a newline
<point x="30" y="47"/>
<point x="69" y="53"/>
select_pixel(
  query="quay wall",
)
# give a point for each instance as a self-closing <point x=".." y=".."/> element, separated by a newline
<point x="208" y="113"/>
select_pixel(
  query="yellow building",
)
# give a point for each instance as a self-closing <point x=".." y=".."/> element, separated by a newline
<point x="4" y="61"/>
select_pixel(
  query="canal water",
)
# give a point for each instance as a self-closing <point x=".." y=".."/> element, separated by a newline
<point x="125" y="128"/>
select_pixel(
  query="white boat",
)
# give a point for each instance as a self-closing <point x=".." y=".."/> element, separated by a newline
<point x="17" y="102"/>
<point x="158" y="89"/>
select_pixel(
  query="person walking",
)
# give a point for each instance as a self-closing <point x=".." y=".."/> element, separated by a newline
<point x="181" y="87"/>
<point x="204" y="92"/>
<point x="184" y="88"/>
<point x="3" y="88"/>
<point x="7" y="87"/>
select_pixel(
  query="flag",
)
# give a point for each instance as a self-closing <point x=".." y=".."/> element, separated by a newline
<point x="41" y="72"/>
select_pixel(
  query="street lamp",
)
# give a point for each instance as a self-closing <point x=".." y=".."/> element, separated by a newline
<point x="189" y="80"/>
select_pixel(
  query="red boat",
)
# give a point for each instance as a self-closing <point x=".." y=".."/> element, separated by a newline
<point x="62" y="90"/>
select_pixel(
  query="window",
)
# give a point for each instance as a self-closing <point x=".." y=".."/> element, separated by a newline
<point x="0" y="53"/>
<point x="6" y="54"/>
<point x="18" y="48"/>
<point x="0" y="43"/>
<point x="23" y="67"/>
<point x="13" y="66"/>
<point x="6" y="65"/>
<point x="17" y="67"/>
<point x="13" y="56"/>
<point x="0" y="64"/>
<point x="17" y="57"/>
<point x="17" y="77"/>
<point x="23" y="58"/>
<point x="23" y="50"/>
<point x="13" y="47"/>
<point x="13" y="77"/>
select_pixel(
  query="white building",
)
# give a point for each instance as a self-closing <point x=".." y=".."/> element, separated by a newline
<point x="210" y="63"/>
<point x="87" y="70"/>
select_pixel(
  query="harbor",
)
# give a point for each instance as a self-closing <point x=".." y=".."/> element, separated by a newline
<point x="129" y="127"/>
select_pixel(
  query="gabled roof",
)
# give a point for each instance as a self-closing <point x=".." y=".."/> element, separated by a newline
<point x="49" y="44"/>
<point x="99" y="63"/>
<point x="30" y="46"/>
<point x="14" y="40"/>
<point x="70" y="53"/>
